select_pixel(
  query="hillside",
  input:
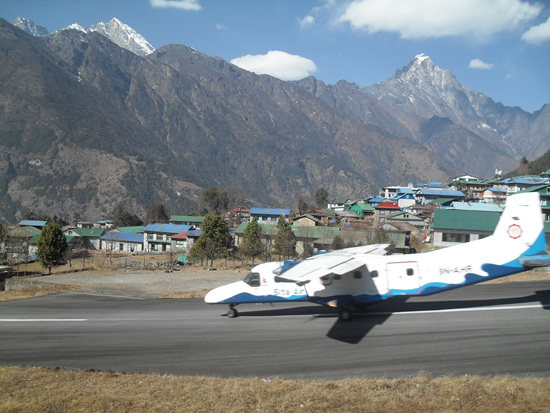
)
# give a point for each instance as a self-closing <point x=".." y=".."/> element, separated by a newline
<point x="86" y="124"/>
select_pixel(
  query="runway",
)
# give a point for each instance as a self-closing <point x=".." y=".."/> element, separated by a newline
<point x="482" y="329"/>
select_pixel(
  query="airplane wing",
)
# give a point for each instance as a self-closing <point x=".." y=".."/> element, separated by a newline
<point x="333" y="262"/>
<point x="374" y="249"/>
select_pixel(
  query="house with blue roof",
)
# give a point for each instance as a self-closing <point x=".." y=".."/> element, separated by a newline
<point x="121" y="241"/>
<point x="520" y="183"/>
<point x="269" y="215"/>
<point x="426" y="195"/>
<point x="32" y="223"/>
<point x="158" y="237"/>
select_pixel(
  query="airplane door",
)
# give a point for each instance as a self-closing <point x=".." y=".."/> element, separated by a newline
<point x="403" y="278"/>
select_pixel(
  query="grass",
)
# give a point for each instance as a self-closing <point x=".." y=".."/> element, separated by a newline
<point x="37" y="389"/>
<point x="31" y="292"/>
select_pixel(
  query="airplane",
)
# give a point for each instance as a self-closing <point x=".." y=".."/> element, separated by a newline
<point x="352" y="278"/>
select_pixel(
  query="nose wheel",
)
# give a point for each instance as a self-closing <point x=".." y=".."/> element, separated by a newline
<point x="232" y="312"/>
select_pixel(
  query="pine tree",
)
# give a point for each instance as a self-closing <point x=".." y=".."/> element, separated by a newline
<point x="285" y="241"/>
<point x="321" y="197"/>
<point x="215" y="241"/>
<point x="252" y="245"/>
<point x="51" y="246"/>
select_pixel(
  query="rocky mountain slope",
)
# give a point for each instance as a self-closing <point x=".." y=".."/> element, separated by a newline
<point x="85" y="124"/>
<point x="427" y="104"/>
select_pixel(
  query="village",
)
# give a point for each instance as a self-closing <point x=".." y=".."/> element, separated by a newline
<point x="413" y="218"/>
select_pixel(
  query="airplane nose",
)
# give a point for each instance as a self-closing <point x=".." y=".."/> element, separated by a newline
<point x="224" y="293"/>
<point x="213" y="296"/>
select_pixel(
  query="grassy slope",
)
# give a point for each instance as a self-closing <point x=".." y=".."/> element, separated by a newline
<point x="36" y="389"/>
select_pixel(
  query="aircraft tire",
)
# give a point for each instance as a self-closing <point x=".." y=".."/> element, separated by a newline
<point x="232" y="313"/>
<point x="345" y="315"/>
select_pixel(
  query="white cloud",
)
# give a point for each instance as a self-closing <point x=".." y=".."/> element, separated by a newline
<point x="538" y="34"/>
<point x="279" y="64"/>
<point x="220" y="26"/>
<point x="480" y="64"/>
<point x="422" y="19"/>
<point x="306" y="22"/>
<point x="177" y="4"/>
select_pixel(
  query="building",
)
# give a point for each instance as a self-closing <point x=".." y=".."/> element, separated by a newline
<point x="87" y="238"/>
<point x="456" y="226"/>
<point x="269" y="215"/>
<point x="194" y="221"/>
<point x="123" y="242"/>
<point x="427" y="195"/>
<point x="158" y="237"/>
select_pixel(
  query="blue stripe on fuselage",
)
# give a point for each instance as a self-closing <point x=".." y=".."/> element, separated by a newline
<point x="251" y="298"/>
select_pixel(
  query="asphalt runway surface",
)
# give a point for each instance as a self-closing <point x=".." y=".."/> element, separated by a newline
<point x="480" y="330"/>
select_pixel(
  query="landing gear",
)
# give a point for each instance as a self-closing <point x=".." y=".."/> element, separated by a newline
<point x="345" y="315"/>
<point x="232" y="313"/>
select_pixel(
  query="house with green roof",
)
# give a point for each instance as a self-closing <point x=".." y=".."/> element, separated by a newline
<point x="456" y="226"/>
<point x="362" y="209"/>
<point x="88" y="238"/>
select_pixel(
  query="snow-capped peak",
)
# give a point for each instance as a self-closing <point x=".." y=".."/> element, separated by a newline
<point x="421" y="57"/>
<point x="76" y="26"/>
<point x="124" y="36"/>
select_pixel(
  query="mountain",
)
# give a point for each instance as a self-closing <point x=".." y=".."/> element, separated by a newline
<point x="88" y="124"/>
<point x="427" y="104"/>
<point x="123" y="35"/>
<point x="30" y="27"/>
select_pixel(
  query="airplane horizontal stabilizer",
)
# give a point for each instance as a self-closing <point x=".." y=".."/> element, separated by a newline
<point x="535" y="261"/>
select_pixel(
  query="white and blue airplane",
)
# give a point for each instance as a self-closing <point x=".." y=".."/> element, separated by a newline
<point x="355" y="277"/>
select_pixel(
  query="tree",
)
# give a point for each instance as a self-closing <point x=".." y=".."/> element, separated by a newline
<point x="252" y="246"/>
<point x="526" y="167"/>
<point x="214" y="200"/>
<point x="321" y="197"/>
<point x="215" y="241"/>
<point x="123" y="218"/>
<point x="285" y="241"/>
<point x="337" y="243"/>
<point x="157" y="213"/>
<point x="51" y="246"/>
<point x="301" y="204"/>
<point x="3" y="237"/>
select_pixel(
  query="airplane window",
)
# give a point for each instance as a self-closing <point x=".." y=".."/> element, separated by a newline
<point x="337" y="277"/>
<point x="410" y="271"/>
<point x="357" y="275"/>
<point x="374" y="274"/>
<point x="252" y="279"/>
<point x="326" y="280"/>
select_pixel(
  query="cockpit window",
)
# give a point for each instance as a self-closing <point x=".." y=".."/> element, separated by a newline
<point x="252" y="279"/>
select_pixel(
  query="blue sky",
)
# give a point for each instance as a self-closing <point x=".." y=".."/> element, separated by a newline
<point x="498" y="47"/>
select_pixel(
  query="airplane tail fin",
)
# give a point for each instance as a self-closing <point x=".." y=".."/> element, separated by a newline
<point x="520" y="230"/>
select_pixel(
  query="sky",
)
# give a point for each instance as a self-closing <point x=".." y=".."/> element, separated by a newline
<point x="498" y="47"/>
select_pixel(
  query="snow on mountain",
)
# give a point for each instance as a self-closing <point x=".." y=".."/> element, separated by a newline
<point x="116" y="31"/>
<point x="124" y="36"/>
<point x="30" y="27"/>
<point x="76" y="26"/>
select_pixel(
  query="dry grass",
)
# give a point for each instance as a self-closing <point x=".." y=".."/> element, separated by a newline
<point x="33" y="291"/>
<point x="185" y="294"/>
<point x="25" y="389"/>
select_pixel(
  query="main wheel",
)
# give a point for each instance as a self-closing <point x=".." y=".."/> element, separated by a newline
<point x="345" y="315"/>
<point x="232" y="313"/>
